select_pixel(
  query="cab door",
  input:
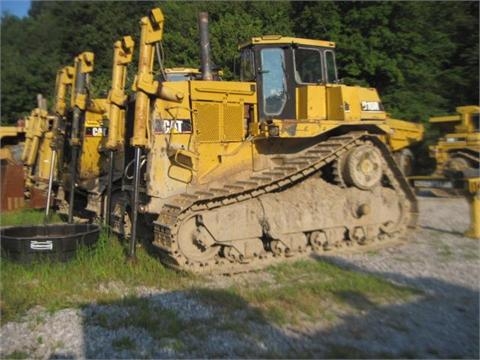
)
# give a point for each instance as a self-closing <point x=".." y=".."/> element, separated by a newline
<point x="275" y="83"/>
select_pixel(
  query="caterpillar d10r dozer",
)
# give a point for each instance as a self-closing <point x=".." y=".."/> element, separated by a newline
<point x="236" y="175"/>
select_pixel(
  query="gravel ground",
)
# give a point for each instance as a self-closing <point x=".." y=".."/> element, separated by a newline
<point x="441" y="322"/>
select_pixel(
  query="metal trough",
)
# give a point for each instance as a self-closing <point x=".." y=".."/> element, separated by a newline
<point x="57" y="242"/>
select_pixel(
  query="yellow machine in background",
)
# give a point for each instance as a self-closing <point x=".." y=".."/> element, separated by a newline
<point x="95" y="130"/>
<point x="472" y="190"/>
<point x="12" y="143"/>
<point x="234" y="175"/>
<point x="40" y="129"/>
<point x="458" y="151"/>
<point x="37" y="153"/>
<point x="403" y="135"/>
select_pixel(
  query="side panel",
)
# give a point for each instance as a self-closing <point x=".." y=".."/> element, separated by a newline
<point x="42" y="170"/>
<point x="353" y="103"/>
<point x="170" y="130"/>
<point x="220" y="119"/>
<point x="92" y="162"/>
<point x="311" y="103"/>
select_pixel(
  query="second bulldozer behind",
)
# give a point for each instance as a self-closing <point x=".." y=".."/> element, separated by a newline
<point x="457" y="152"/>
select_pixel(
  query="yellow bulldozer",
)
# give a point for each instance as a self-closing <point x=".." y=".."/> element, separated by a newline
<point x="457" y="152"/>
<point x="234" y="175"/>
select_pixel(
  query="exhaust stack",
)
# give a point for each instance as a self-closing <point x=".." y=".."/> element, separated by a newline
<point x="205" y="52"/>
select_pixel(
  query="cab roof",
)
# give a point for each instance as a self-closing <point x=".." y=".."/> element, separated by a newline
<point x="182" y="70"/>
<point x="279" y="39"/>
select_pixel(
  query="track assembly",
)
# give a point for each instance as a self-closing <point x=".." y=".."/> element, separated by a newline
<point x="273" y="219"/>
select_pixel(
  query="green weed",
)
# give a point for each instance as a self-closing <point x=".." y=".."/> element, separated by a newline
<point x="471" y="255"/>
<point x="157" y="321"/>
<point x="123" y="343"/>
<point x="444" y="251"/>
<point x="26" y="217"/>
<point x="17" y="355"/>
<point x="176" y="345"/>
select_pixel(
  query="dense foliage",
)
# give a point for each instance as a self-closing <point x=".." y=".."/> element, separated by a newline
<point x="423" y="57"/>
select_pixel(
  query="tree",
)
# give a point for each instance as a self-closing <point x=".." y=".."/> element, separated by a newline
<point x="421" y="56"/>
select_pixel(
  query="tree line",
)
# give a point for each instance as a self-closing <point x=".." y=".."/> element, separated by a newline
<point x="422" y="57"/>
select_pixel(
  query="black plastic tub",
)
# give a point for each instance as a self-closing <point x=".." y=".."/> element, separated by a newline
<point x="57" y="242"/>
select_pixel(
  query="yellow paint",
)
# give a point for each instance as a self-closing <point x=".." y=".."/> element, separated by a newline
<point x="226" y="140"/>
<point x="279" y="39"/>
<point x="122" y="56"/>
<point x="473" y="196"/>
<point x="145" y="85"/>
<point x="465" y="134"/>
<point x="404" y="133"/>
<point x="308" y="106"/>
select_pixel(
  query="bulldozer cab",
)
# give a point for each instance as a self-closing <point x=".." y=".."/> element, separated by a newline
<point x="279" y="65"/>
<point x="180" y="74"/>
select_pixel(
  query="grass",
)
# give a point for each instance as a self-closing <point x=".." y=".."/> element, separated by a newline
<point x="124" y="343"/>
<point x="309" y="290"/>
<point x="60" y="285"/>
<point x="26" y="216"/>
<point x="444" y="251"/>
<point x="17" y="355"/>
<point x="158" y="322"/>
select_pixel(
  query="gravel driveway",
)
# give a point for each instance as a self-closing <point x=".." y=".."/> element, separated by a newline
<point x="441" y="322"/>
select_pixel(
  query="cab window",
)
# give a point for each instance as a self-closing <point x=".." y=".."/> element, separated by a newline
<point x="274" y="81"/>
<point x="247" y="65"/>
<point x="308" y="66"/>
<point x="476" y="122"/>
<point x="331" y="69"/>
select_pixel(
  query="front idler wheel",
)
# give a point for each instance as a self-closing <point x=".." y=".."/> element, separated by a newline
<point x="195" y="241"/>
<point x="362" y="167"/>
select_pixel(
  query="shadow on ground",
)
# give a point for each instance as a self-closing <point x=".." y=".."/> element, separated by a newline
<point x="441" y="322"/>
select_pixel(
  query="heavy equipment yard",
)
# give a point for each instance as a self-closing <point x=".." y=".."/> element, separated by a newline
<point x="267" y="216"/>
<point x="210" y="152"/>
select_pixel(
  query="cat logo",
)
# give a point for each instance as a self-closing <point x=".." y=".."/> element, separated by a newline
<point x="182" y="126"/>
<point x="96" y="131"/>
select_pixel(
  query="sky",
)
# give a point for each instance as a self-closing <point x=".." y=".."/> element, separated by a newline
<point x="15" y="7"/>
